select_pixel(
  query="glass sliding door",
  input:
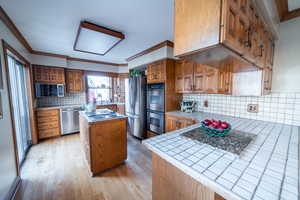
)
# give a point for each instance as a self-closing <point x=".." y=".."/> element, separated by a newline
<point x="20" y="106"/>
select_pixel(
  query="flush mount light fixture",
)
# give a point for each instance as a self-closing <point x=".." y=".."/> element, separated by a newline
<point x="96" y="39"/>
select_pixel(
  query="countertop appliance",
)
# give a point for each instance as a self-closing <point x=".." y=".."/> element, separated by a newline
<point x="136" y="105"/>
<point x="69" y="120"/>
<point x="188" y="106"/>
<point x="49" y="90"/>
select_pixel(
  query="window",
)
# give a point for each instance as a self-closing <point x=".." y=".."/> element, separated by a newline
<point x="99" y="87"/>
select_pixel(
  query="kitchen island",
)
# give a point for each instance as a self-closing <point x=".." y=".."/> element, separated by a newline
<point x="103" y="136"/>
<point x="268" y="168"/>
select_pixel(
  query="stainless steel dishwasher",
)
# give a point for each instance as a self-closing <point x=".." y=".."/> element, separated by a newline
<point x="69" y="120"/>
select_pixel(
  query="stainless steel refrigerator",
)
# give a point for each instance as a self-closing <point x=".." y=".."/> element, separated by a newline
<point x="136" y="105"/>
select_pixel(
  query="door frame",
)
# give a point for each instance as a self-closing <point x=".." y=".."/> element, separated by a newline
<point x="6" y="47"/>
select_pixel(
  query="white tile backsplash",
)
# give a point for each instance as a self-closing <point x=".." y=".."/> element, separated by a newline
<point x="276" y="107"/>
<point x="68" y="99"/>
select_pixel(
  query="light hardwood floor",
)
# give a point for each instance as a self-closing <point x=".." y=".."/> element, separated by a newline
<point x="56" y="170"/>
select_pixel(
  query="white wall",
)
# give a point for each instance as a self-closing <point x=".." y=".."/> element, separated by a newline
<point x="164" y="52"/>
<point x="47" y="60"/>
<point x="286" y="72"/>
<point x="7" y="157"/>
<point x="62" y="62"/>
<point x="91" y="66"/>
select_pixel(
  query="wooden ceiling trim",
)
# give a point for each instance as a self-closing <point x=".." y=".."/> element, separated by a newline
<point x="155" y="47"/>
<point x="41" y="53"/>
<point x="283" y="11"/>
<point x="291" y="15"/>
<point x="15" y="31"/>
<point x="94" y="61"/>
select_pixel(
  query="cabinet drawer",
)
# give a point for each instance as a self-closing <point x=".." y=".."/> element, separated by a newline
<point x="47" y="119"/>
<point x="48" y="125"/>
<point x="49" y="133"/>
<point x="47" y="113"/>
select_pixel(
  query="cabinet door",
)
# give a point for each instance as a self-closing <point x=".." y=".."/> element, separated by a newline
<point x="260" y="49"/>
<point x="211" y="80"/>
<point x="230" y="31"/>
<point x="179" y="76"/>
<point x="225" y="78"/>
<point x="78" y="81"/>
<point x="269" y="50"/>
<point x="267" y="80"/>
<point x="199" y="78"/>
<point x="188" y="76"/>
<point x="37" y="74"/>
<point x="156" y="72"/>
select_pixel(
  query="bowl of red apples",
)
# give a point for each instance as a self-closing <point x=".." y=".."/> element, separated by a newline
<point x="216" y="127"/>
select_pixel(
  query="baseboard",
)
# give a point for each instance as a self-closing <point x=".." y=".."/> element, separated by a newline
<point x="13" y="189"/>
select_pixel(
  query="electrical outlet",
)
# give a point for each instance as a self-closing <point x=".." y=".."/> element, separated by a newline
<point x="252" y="108"/>
<point x="205" y="103"/>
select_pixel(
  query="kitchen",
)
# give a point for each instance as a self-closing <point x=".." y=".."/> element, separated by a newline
<point x="206" y="106"/>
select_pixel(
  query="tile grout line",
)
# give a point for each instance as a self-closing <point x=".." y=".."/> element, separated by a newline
<point x="268" y="161"/>
<point x="234" y="160"/>
<point x="255" y="153"/>
<point x="286" y="161"/>
<point x="266" y="125"/>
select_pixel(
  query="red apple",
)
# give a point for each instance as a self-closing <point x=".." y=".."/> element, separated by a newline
<point x="224" y="125"/>
<point x="207" y="122"/>
<point x="212" y="125"/>
<point x="216" y="124"/>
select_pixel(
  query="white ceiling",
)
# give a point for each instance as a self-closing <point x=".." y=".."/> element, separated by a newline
<point x="293" y="4"/>
<point x="51" y="26"/>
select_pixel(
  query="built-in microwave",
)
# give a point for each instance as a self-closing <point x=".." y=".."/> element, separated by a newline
<point x="49" y="90"/>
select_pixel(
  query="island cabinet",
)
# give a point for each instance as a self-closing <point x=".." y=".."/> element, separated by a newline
<point x="104" y="143"/>
<point x="221" y="28"/>
<point x="176" y="122"/>
<point x="48" y="123"/>
<point x="50" y="75"/>
<point x="170" y="183"/>
<point x="74" y="81"/>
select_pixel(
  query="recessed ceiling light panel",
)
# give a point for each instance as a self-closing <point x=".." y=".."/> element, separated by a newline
<point x="96" y="39"/>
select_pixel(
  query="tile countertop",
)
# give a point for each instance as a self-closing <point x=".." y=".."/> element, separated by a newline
<point x="267" y="169"/>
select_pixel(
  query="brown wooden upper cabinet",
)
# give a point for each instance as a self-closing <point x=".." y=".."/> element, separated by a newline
<point x="163" y="71"/>
<point x="224" y="27"/>
<point x="74" y="81"/>
<point x="156" y="71"/>
<point x="267" y="80"/>
<point x="51" y="75"/>
<point x="192" y="77"/>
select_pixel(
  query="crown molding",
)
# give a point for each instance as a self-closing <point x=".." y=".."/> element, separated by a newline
<point x="155" y="47"/>
<point x="15" y="31"/>
<point x="283" y="10"/>
<point x="96" y="62"/>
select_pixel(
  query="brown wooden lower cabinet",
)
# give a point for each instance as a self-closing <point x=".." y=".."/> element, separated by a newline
<point x="175" y="122"/>
<point x="151" y="134"/>
<point x="170" y="183"/>
<point x="104" y="143"/>
<point x="112" y="107"/>
<point x="48" y="123"/>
